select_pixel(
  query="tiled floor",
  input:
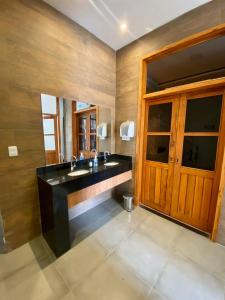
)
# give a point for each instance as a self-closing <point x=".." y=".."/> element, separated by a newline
<point x="132" y="256"/>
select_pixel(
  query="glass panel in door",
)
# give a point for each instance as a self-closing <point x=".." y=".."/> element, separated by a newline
<point x="93" y="123"/>
<point x="93" y="142"/>
<point x="158" y="148"/>
<point x="82" y="124"/>
<point x="159" y="117"/>
<point x="203" y="115"/>
<point x="82" y="142"/>
<point x="200" y="152"/>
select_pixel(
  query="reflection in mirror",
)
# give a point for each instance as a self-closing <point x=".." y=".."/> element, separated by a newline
<point x="73" y="128"/>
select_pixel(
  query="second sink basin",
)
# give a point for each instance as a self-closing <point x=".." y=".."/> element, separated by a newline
<point x="78" y="173"/>
<point x="111" y="163"/>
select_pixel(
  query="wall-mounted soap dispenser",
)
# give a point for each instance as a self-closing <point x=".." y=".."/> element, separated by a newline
<point x="127" y="130"/>
<point x="102" y="131"/>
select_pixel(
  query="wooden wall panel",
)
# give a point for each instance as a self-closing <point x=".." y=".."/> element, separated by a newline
<point x="128" y="62"/>
<point x="42" y="51"/>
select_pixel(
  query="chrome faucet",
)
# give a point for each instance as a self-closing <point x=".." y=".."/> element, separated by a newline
<point x="61" y="157"/>
<point x="93" y="153"/>
<point x="73" y="162"/>
<point x="106" y="154"/>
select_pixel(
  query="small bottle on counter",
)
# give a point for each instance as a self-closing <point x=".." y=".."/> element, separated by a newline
<point x="90" y="163"/>
<point x="81" y="156"/>
<point x="96" y="160"/>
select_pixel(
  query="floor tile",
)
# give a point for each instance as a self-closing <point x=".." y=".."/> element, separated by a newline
<point x="113" y="280"/>
<point x="160" y="230"/>
<point x="32" y="283"/>
<point x="134" y="218"/>
<point x="77" y="263"/>
<point x="3" y="291"/>
<point x="15" y="260"/>
<point x="112" y="233"/>
<point x="112" y="205"/>
<point x="182" y="279"/>
<point x="69" y="296"/>
<point x="202" y="251"/>
<point x="145" y="257"/>
<point x="156" y="295"/>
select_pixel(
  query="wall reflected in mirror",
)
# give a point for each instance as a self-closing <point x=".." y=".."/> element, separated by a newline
<point x="73" y="128"/>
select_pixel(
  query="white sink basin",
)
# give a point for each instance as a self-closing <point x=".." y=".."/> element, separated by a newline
<point x="111" y="163"/>
<point x="78" y="173"/>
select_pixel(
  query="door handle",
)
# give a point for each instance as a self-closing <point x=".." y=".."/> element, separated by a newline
<point x="171" y="159"/>
<point x="172" y="143"/>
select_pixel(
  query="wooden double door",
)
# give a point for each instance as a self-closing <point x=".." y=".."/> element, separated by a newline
<point x="183" y="144"/>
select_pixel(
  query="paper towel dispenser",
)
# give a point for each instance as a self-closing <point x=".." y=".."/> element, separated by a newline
<point x="127" y="130"/>
<point x="102" y="131"/>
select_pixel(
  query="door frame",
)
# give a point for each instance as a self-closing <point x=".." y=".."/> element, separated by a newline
<point x="192" y="87"/>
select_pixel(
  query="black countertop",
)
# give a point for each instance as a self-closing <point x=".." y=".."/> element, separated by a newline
<point x="58" y="174"/>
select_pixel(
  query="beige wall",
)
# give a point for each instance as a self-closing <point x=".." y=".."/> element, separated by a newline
<point x="41" y="52"/>
<point x="105" y="116"/>
<point x="128" y="58"/>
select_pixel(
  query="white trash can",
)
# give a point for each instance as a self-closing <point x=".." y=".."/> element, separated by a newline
<point x="128" y="202"/>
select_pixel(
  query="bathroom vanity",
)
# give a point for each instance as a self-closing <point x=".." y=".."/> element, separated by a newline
<point x="60" y="190"/>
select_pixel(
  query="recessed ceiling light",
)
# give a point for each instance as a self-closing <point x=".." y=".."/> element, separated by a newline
<point x="123" y="27"/>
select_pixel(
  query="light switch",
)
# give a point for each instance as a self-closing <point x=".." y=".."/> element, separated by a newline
<point x="13" y="151"/>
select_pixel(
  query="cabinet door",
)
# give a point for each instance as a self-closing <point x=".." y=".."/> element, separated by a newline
<point x="159" y="151"/>
<point x="194" y="190"/>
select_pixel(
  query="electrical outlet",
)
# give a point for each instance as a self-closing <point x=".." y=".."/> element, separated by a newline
<point x="13" y="151"/>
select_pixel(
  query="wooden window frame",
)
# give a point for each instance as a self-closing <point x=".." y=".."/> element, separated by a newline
<point x="57" y="132"/>
<point x="186" y="88"/>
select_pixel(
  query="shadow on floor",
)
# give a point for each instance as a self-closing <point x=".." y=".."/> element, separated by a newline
<point x="90" y="221"/>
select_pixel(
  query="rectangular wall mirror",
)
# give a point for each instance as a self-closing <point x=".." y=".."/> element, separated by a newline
<point x="74" y="128"/>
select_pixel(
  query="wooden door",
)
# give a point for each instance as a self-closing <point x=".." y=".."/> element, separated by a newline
<point x="195" y="187"/>
<point x="159" y="153"/>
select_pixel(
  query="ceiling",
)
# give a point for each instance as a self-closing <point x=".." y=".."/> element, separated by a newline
<point x="103" y="18"/>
